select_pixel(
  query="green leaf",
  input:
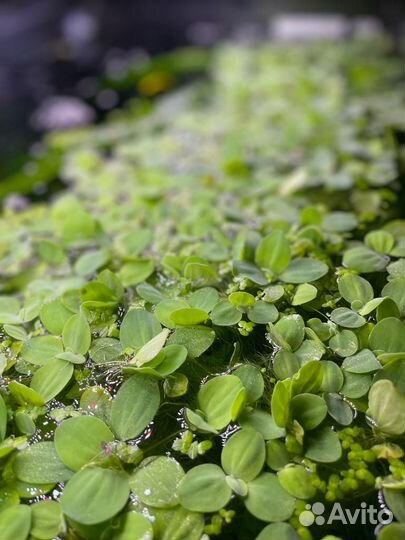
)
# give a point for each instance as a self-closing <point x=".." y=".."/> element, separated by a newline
<point x="189" y="316"/>
<point x="280" y="403"/>
<point x="303" y="294"/>
<point x="136" y="271"/>
<point x="395" y="289"/>
<point x="297" y="481"/>
<point x="309" y="410"/>
<point x="304" y="270"/>
<point x="393" y="531"/>
<point x="263" y="312"/>
<point x="94" y="495"/>
<point x="137" y="328"/>
<point x="205" y="299"/>
<point x="380" y="241"/>
<point x="339" y="409"/>
<point x="49" y="380"/>
<point x="76" y="334"/>
<point x="347" y="318"/>
<point x="40" y="464"/>
<point x="354" y="288"/>
<point x="362" y="362"/>
<point x="225" y="314"/>
<point x="197" y="339"/>
<point x="339" y="222"/>
<point x="15" y="522"/>
<point x="41" y="349"/>
<point x="79" y="440"/>
<point x="273" y="252"/>
<point x="387" y="408"/>
<point x="292" y="330"/>
<point x="217" y="399"/>
<point x="285" y="364"/>
<point x="267" y="500"/>
<point x="364" y="260"/>
<point x="204" y="489"/>
<point x="54" y="314"/>
<point x="244" y="454"/>
<point x="355" y="385"/>
<point x="262" y="422"/>
<point x="165" y="308"/>
<point x="388" y="335"/>
<point x="344" y="343"/>
<point x="178" y="524"/>
<point x="278" y="531"/>
<point x="104" y="350"/>
<point x="133" y="526"/>
<point x="3" y="418"/>
<point x="156" y="481"/>
<point x="47" y="520"/>
<point x="252" y="380"/>
<point x="134" y="406"/>
<point x="323" y="445"/>
<point x="24" y="395"/>
<point x="151" y="349"/>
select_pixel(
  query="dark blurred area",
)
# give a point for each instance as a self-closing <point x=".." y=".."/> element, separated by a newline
<point x="56" y="55"/>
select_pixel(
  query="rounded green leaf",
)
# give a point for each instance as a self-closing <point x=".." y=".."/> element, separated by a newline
<point x="134" y="406"/>
<point x="133" y="526"/>
<point x="388" y="335"/>
<point x="49" y="380"/>
<point x="267" y="500"/>
<point x="304" y="293"/>
<point x="39" y="350"/>
<point x="380" y="241"/>
<point x="304" y="270"/>
<point x="395" y="289"/>
<point x="217" y="399"/>
<point x="323" y="445"/>
<point x="354" y="288"/>
<point x="252" y="380"/>
<point x="47" y="520"/>
<point x="339" y="222"/>
<point x="297" y="481"/>
<point x="81" y="439"/>
<point x="362" y="362"/>
<point x="205" y="298"/>
<point x="189" y="316"/>
<point x="347" y="318"/>
<point x="204" y="489"/>
<point x="344" y="343"/>
<point x="178" y="524"/>
<point x="76" y="334"/>
<point x="364" y="260"/>
<point x="244" y="454"/>
<point x="53" y="315"/>
<point x="104" y="350"/>
<point x="15" y="522"/>
<point x="387" y="408"/>
<point x="309" y="410"/>
<point x="285" y="364"/>
<point x="225" y="314"/>
<point x="137" y="328"/>
<point x="278" y="531"/>
<point x="273" y="252"/>
<point x="94" y="495"/>
<point x="292" y="330"/>
<point x="165" y="308"/>
<point x="40" y="464"/>
<point x="263" y="313"/>
<point x="156" y="481"/>
<point x="196" y="339"/>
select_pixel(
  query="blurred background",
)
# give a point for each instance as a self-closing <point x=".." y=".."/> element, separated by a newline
<point x="65" y="63"/>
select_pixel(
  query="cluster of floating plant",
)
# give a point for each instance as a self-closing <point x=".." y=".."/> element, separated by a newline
<point x="205" y="331"/>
